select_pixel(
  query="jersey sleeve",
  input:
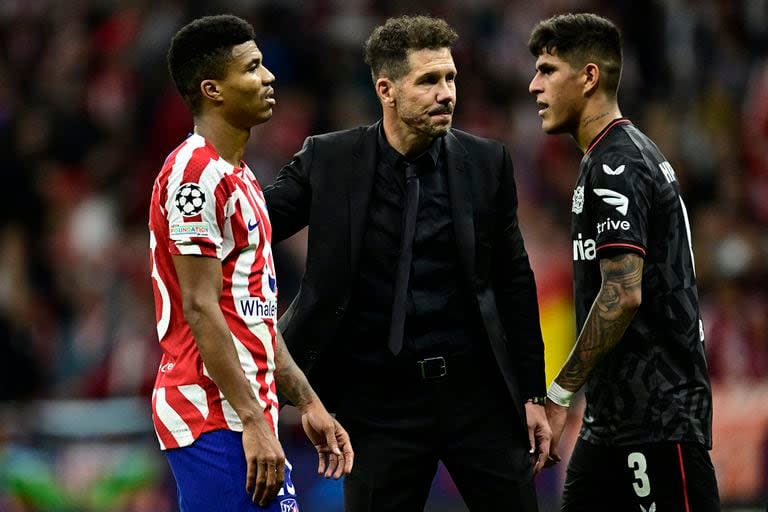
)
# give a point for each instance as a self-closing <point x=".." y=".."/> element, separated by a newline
<point x="195" y="217"/>
<point x="620" y="205"/>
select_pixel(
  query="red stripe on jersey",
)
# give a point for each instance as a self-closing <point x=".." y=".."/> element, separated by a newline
<point x="682" y="472"/>
<point x="605" y="132"/>
<point x="617" y="245"/>
<point x="186" y="409"/>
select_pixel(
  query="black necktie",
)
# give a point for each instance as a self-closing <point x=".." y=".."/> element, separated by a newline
<point x="404" y="264"/>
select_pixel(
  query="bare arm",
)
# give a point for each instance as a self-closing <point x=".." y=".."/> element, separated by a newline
<point x="200" y="282"/>
<point x="614" y="307"/>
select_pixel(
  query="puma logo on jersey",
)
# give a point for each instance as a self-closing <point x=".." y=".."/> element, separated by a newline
<point x="613" y="198"/>
<point x="613" y="172"/>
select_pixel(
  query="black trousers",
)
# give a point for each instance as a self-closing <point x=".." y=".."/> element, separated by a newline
<point x="670" y="477"/>
<point x="402" y="425"/>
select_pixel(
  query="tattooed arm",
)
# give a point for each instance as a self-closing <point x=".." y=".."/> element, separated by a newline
<point x="289" y="378"/>
<point x="614" y="307"/>
<point x="330" y="439"/>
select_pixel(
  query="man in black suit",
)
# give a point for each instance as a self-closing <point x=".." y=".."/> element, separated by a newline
<point x="418" y="285"/>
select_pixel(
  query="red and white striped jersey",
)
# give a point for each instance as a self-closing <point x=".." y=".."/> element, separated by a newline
<point x="202" y="205"/>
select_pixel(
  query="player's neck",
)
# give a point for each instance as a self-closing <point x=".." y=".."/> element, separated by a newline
<point x="228" y="140"/>
<point x="593" y="121"/>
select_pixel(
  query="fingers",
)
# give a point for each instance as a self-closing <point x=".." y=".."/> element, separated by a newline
<point x="349" y="453"/>
<point x="321" y="462"/>
<point x="540" y="462"/>
<point x="531" y="441"/>
<point x="543" y="457"/>
<point x="270" y="476"/>
<point x="334" y="457"/>
<point x="250" y="478"/>
<point x="332" y="461"/>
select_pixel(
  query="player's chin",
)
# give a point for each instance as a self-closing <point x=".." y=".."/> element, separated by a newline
<point x="440" y="129"/>
<point x="551" y="128"/>
<point x="263" y="116"/>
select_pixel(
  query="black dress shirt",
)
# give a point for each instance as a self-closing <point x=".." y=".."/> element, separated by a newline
<point x="439" y="316"/>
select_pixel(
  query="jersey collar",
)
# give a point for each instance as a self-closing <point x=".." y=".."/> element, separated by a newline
<point x="604" y="132"/>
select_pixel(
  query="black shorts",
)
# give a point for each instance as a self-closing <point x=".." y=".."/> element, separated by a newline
<point x="668" y="477"/>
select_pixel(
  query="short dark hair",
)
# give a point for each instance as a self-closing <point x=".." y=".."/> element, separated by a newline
<point x="579" y="39"/>
<point x="386" y="50"/>
<point x="202" y="50"/>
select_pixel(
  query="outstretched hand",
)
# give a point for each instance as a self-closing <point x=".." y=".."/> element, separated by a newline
<point x="331" y="441"/>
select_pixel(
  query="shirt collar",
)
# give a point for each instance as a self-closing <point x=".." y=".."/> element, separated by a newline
<point x="391" y="156"/>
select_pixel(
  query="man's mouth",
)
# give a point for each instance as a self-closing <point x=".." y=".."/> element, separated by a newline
<point x="542" y="106"/>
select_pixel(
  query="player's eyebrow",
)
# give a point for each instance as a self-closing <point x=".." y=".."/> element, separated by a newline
<point x="545" y="66"/>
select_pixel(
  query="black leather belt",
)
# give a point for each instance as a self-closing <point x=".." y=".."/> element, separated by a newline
<point x="432" y="368"/>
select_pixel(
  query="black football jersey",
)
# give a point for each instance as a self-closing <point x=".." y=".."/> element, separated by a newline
<point x="654" y="385"/>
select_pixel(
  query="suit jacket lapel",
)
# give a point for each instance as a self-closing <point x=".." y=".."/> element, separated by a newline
<point x="460" y="194"/>
<point x="360" y="173"/>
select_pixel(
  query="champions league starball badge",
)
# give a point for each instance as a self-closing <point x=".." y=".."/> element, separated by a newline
<point x="190" y="199"/>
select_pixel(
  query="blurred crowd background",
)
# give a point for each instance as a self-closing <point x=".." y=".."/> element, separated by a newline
<point x="88" y="114"/>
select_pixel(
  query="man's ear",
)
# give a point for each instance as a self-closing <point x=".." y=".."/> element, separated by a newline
<point x="385" y="90"/>
<point x="211" y="90"/>
<point x="591" y="75"/>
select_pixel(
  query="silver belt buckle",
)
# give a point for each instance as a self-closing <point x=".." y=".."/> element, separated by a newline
<point x="426" y="366"/>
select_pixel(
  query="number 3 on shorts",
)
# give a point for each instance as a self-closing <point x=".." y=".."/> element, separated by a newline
<point x="642" y="485"/>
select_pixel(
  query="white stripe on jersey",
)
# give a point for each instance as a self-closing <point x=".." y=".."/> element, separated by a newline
<point x="165" y="299"/>
<point x="197" y="397"/>
<point x="172" y="421"/>
<point x="688" y="232"/>
<point x="230" y="416"/>
<point x="159" y="440"/>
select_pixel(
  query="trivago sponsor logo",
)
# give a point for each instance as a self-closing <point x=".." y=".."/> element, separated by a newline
<point x="259" y="308"/>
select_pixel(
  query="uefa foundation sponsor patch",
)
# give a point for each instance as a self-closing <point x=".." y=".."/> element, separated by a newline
<point x="188" y="229"/>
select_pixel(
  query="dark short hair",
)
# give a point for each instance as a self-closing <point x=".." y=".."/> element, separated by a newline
<point x="579" y="39"/>
<point x="386" y="50"/>
<point x="202" y="50"/>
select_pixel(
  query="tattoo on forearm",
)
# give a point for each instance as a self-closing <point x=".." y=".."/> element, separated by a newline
<point x="609" y="317"/>
<point x="289" y="378"/>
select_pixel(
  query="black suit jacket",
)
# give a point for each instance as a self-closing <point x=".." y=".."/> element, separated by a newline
<point x="327" y="186"/>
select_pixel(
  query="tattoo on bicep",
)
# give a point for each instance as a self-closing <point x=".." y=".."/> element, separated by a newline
<point x="607" y="320"/>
